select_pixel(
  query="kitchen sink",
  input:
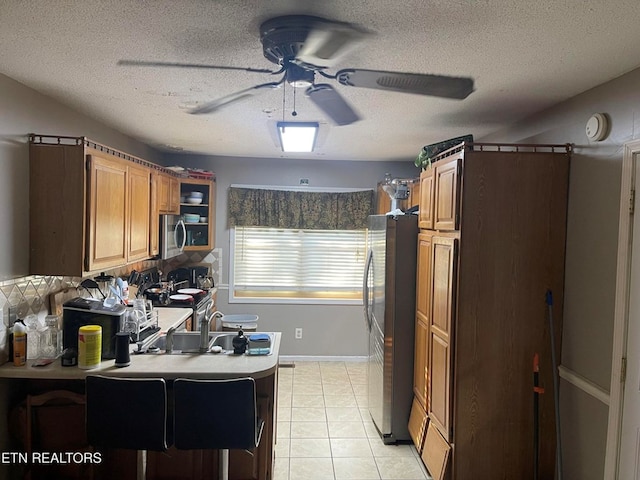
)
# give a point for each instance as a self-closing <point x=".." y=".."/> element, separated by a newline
<point x="225" y="341"/>
<point x="183" y="342"/>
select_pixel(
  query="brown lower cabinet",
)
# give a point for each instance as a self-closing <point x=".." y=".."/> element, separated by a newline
<point x="491" y="244"/>
<point x="61" y="428"/>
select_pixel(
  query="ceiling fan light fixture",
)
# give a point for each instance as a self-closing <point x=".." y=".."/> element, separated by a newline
<point x="299" y="77"/>
<point x="298" y="137"/>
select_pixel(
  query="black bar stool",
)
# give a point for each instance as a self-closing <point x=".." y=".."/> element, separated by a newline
<point x="129" y="413"/>
<point x="216" y="414"/>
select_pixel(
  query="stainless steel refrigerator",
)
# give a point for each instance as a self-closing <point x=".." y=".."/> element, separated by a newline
<point x="389" y="289"/>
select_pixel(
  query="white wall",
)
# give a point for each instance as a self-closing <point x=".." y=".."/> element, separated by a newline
<point x="592" y="235"/>
<point x="24" y="111"/>
<point x="329" y="330"/>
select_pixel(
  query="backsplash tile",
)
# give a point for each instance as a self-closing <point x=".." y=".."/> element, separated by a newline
<point x="212" y="259"/>
<point x="30" y="294"/>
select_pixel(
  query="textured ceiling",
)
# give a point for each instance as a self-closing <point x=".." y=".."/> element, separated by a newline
<point x="524" y="56"/>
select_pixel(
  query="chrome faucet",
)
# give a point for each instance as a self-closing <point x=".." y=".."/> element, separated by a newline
<point x="205" y="322"/>
<point x="205" y="326"/>
<point x="169" y="342"/>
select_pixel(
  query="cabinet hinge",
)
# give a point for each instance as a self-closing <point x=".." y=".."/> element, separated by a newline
<point x="623" y="370"/>
<point x="632" y="201"/>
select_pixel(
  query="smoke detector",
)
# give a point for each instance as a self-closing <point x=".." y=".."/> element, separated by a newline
<point x="597" y="127"/>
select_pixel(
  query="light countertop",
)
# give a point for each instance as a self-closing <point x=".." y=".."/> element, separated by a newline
<point x="168" y="316"/>
<point x="205" y="366"/>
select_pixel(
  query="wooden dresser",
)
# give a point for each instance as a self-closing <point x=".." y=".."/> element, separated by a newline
<point x="491" y="244"/>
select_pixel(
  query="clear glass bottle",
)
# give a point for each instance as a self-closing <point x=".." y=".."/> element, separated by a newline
<point x="51" y="340"/>
<point x="34" y="329"/>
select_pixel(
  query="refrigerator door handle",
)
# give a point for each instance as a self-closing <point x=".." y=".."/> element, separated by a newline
<point x="365" y="289"/>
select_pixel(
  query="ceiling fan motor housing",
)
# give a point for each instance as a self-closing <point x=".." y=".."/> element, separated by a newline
<point x="283" y="37"/>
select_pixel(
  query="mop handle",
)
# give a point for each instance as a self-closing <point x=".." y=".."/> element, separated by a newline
<point x="556" y="392"/>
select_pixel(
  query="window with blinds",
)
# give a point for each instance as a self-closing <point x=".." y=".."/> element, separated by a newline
<point x="297" y="266"/>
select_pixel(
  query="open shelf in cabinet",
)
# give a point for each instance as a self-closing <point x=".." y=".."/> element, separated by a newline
<point x="200" y="235"/>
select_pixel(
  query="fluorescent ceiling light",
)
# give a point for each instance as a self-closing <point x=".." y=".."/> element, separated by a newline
<point x="297" y="136"/>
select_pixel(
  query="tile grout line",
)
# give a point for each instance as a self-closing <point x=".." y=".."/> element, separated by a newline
<point x="323" y="382"/>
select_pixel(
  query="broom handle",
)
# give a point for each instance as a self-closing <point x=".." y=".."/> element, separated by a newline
<point x="536" y="391"/>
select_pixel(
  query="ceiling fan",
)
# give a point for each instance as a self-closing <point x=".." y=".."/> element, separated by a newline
<point x="303" y="47"/>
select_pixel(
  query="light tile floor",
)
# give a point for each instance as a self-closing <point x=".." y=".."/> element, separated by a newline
<point x="325" y="431"/>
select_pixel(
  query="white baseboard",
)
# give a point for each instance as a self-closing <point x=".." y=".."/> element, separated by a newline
<point x="322" y="358"/>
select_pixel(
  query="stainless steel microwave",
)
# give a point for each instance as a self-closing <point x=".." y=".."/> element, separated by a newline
<point x="173" y="236"/>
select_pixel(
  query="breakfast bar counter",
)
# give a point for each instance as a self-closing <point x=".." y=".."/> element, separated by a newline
<point x="198" y="366"/>
<point x="28" y="380"/>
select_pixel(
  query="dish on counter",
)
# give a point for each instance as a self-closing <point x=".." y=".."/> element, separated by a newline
<point x="190" y="291"/>
<point x="181" y="297"/>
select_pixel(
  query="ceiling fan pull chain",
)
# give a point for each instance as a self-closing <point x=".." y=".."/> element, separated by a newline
<point x="284" y="97"/>
<point x="294" y="113"/>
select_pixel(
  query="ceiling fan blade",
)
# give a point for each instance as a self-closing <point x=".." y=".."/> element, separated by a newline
<point x="329" y="41"/>
<point x="332" y="104"/>
<point x="144" y="63"/>
<point x="421" y="84"/>
<point x="234" y="97"/>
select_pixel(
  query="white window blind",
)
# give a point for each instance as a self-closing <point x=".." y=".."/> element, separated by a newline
<point x="297" y="266"/>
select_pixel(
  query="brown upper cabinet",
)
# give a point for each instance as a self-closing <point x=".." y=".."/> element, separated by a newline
<point x="440" y="195"/>
<point x="174" y="196"/>
<point x="139" y="193"/>
<point x="168" y="194"/>
<point x="427" y="189"/>
<point x="108" y="223"/>
<point x="447" y="195"/>
<point x="91" y="207"/>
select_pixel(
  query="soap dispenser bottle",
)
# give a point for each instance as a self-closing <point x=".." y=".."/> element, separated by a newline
<point x="240" y="343"/>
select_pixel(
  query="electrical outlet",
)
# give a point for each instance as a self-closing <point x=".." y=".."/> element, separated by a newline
<point x="304" y="181"/>
<point x="298" y="334"/>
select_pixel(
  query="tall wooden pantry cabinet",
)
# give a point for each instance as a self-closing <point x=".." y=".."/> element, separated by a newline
<point x="491" y="244"/>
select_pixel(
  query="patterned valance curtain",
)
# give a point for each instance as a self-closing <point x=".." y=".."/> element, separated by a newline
<point x="299" y="209"/>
